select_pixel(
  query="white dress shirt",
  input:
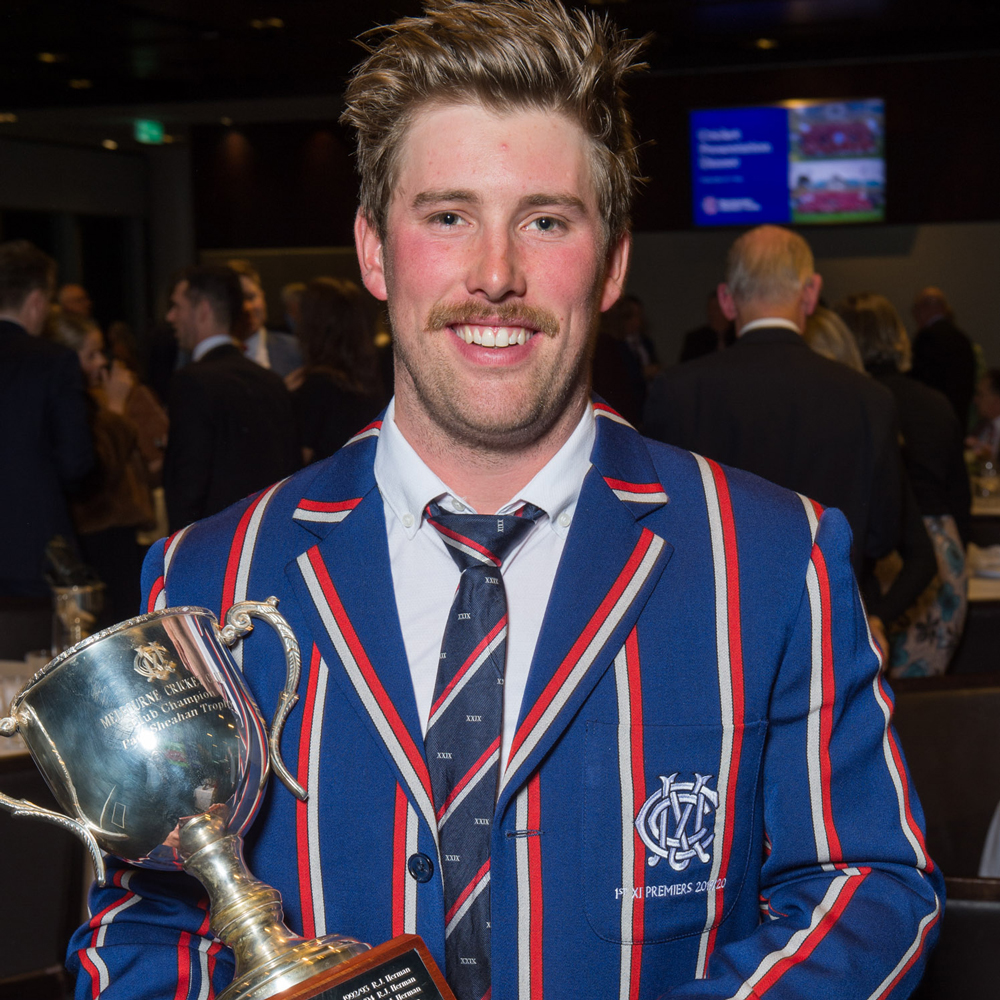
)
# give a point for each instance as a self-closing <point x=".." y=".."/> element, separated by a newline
<point x="256" y="348"/>
<point x="210" y="343"/>
<point x="771" y="321"/>
<point x="425" y="577"/>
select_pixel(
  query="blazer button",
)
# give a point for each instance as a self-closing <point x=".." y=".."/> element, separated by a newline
<point x="421" y="867"/>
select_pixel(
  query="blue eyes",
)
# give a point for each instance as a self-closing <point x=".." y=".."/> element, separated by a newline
<point x="542" y="224"/>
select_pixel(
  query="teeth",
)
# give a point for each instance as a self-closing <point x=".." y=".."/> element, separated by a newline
<point x="497" y="336"/>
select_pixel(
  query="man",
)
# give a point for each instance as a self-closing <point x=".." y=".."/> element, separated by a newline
<point x="715" y="334"/>
<point x="943" y="356"/>
<point x="660" y="623"/>
<point x="45" y="447"/>
<point x="269" y="349"/>
<point x="74" y="301"/>
<point x="772" y="406"/>
<point x="231" y="426"/>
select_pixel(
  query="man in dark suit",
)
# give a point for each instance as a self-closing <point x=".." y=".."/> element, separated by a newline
<point x="943" y="356"/>
<point x="45" y="446"/>
<point x="774" y="407"/>
<point x="231" y="426"/>
<point x="268" y="348"/>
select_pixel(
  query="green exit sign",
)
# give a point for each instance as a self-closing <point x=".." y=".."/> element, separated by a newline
<point x="149" y="130"/>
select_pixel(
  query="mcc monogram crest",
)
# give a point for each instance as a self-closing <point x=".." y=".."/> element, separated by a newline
<point x="672" y="823"/>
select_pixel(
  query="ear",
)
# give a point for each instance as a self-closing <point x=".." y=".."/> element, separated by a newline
<point x="810" y="293"/>
<point x="370" y="256"/>
<point x="616" y="271"/>
<point x="726" y="302"/>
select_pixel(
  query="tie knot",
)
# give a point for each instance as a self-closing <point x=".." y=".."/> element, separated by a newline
<point x="482" y="539"/>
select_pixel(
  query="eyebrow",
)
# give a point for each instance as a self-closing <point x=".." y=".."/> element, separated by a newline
<point x="540" y="200"/>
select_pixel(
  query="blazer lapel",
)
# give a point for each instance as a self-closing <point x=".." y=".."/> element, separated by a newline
<point x="598" y="593"/>
<point x="343" y="582"/>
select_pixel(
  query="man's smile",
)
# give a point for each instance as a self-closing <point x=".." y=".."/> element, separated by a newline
<point x="493" y="336"/>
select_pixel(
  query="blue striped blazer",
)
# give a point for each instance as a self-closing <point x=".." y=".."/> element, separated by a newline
<point x="704" y="797"/>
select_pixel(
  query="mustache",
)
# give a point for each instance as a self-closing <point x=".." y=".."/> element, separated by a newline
<point x="502" y="314"/>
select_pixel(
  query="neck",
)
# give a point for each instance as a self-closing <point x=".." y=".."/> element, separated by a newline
<point x="485" y="477"/>
<point x="754" y="311"/>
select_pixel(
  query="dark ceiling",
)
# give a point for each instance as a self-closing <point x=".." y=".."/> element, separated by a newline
<point x="76" y="53"/>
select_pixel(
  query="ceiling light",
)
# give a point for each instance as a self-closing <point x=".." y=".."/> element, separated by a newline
<point x="263" y="23"/>
<point x="766" y="43"/>
<point x="80" y="83"/>
<point x="226" y="120"/>
<point x="7" y="117"/>
<point x="50" y="57"/>
<point x="167" y="137"/>
<point x="109" y="144"/>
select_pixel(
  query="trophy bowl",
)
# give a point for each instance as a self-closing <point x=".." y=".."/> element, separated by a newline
<point x="152" y="744"/>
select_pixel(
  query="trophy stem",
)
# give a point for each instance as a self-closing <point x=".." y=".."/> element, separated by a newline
<point x="246" y="915"/>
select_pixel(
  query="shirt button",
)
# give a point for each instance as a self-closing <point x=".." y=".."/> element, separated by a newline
<point x="459" y="506"/>
<point x="421" y="867"/>
<point x="564" y="519"/>
<point x="407" y="520"/>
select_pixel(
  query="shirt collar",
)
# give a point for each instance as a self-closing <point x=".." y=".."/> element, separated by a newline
<point x="768" y="321"/>
<point x="209" y="344"/>
<point x="407" y="484"/>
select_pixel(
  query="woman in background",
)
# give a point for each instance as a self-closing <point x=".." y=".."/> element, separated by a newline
<point x="924" y="641"/>
<point x="115" y="501"/>
<point x="339" y="389"/>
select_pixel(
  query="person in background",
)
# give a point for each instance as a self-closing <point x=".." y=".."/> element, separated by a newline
<point x="74" y="301"/>
<point x="339" y="388"/>
<point x="715" y="334"/>
<point x="232" y="431"/>
<point x="115" y="500"/>
<point x="984" y="440"/>
<point x="291" y="301"/>
<point x="268" y="348"/>
<point x="828" y="335"/>
<point x="943" y="356"/>
<point x="924" y="640"/>
<point x="45" y="445"/>
<point x="773" y="407"/>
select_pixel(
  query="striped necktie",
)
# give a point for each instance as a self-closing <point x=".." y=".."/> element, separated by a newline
<point x="463" y="732"/>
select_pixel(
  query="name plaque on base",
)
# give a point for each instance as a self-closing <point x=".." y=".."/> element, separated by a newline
<point x="400" y="969"/>
<point x="153" y="745"/>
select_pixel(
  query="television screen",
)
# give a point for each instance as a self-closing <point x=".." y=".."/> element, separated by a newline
<point x="799" y="161"/>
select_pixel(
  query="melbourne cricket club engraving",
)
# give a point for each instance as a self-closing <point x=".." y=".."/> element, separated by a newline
<point x="671" y="822"/>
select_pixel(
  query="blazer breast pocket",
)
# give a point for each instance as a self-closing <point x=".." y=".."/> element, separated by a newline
<point x="668" y="827"/>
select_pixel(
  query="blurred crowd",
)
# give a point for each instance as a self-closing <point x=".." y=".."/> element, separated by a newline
<point x="109" y="446"/>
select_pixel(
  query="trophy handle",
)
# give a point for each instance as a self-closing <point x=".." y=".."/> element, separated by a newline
<point x="238" y="624"/>
<point x="22" y="807"/>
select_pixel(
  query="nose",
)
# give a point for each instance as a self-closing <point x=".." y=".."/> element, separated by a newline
<point x="496" y="271"/>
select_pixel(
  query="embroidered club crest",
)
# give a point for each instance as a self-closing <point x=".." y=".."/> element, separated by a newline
<point x="672" y="823"/>
<point x="152" y="663"/>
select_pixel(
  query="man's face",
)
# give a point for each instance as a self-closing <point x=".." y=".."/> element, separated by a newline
<point x="253" y="303"/>
<point x="181" y="316"/>
<point x="494" y="267"/>
<point x="73" y="299"/>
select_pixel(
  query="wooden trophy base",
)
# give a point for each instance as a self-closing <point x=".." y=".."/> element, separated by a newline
<point x="400" y="969"/>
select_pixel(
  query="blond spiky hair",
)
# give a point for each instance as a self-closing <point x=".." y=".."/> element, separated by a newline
<point x="504" y="55"/>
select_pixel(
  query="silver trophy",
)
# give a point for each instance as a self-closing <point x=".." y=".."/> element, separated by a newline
<point x="151" y="742"/>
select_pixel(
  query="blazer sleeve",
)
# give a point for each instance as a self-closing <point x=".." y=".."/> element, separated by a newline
<point x="850" y="900"/>
<point x="148" y="930"/>
<point x="69" y="428"/>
